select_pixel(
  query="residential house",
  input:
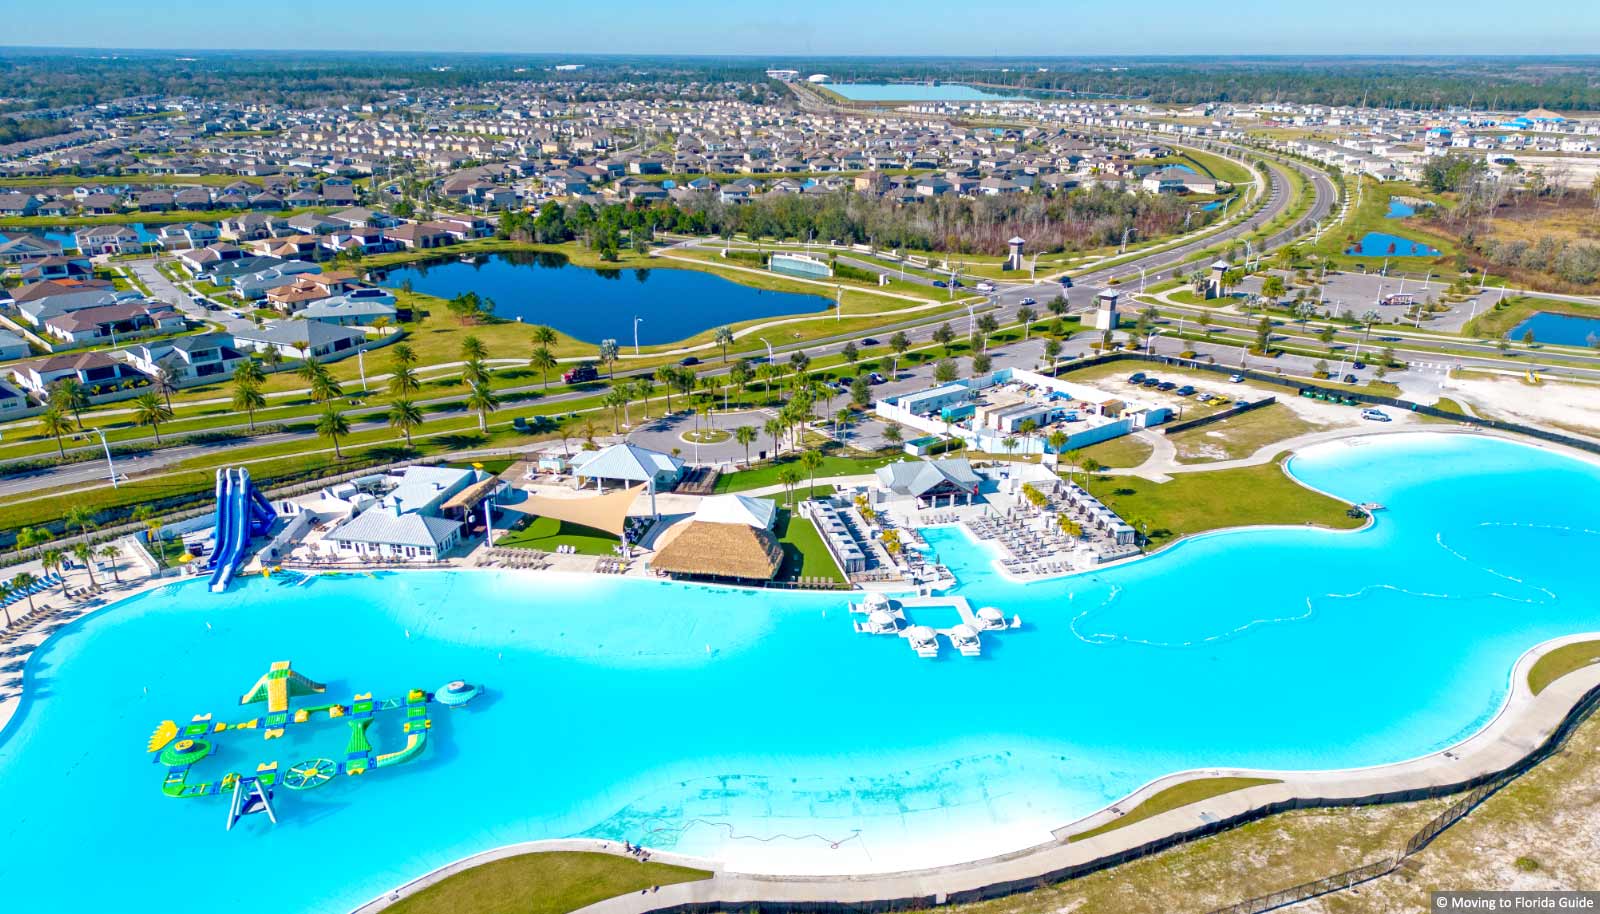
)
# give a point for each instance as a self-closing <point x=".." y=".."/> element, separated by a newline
<point x="107" y="239"/>
<point x="296" y="339"/>
<point x="98" y="372"/>
<point x="188" y="358"/>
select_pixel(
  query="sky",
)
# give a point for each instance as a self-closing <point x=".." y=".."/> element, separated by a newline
<point x="1063" y="28"/>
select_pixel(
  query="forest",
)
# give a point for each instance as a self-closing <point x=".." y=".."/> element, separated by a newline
<point x="1079" y="220"/>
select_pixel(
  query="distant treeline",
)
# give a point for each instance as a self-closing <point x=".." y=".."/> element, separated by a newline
<point x="55" y="78"/>
<point x="1074" y="221"/>
<point x="1564" y="84"/>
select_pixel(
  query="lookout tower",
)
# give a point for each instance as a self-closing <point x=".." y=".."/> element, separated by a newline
<point x="1105" y="312"/>
<point x="1014" y="257"/>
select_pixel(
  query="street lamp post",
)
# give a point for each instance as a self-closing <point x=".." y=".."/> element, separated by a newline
<point x="636" y="321"/>
<point x="1141" y="280"/>
<point x="361" y="362"/>
<point x="110" y="467"/>
<point x="770" y="358"/>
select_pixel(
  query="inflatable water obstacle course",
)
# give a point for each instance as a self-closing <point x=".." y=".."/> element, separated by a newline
<point x="180" y="749"/>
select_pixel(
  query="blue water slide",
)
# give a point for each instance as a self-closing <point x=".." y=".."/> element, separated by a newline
<point x="233" y="530"/>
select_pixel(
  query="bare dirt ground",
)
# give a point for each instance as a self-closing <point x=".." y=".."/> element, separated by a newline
<point x="1540" y="832"/>
<point x="1568" y="405"/>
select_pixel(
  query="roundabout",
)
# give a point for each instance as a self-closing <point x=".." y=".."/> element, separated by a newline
<point x="706" y="436"/>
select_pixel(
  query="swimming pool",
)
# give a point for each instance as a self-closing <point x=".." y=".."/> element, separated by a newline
<point x="758" y="728"/>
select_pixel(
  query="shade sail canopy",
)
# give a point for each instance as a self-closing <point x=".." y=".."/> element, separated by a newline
<point x="606" y="512"/>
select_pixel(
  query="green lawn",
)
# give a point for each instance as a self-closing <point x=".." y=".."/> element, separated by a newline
<point x="766" y="474"/>
<point x="1560" y="662"/>
<point x="1196" y="502"/>
<point x="804" y="555"/>
<point x="1127" y="451"/>
<point x="1174" y="797"/>
<point x="547" y="533"/>
<point x="547" y="883"/>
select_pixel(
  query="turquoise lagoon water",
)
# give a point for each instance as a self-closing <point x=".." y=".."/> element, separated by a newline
<point x="1399" y="209"/>
<point x="757" y="727"/>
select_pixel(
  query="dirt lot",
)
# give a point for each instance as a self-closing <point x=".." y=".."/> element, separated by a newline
<point x="1566" y="405"/>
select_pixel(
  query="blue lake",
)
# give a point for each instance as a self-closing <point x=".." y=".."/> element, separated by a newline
<point x="1561" y="329"/>
<point x="593" y="305"/>
<point x="913" y="92"/>
<point x="1399" y="209"/>
<point x="1383" y="244"/>
<point x="758" y="728"/>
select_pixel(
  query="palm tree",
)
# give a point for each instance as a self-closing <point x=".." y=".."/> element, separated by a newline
<point x="841" y="419"/>
<point x="892" y="433"/>
<point x="482" y="401"/>
<point x="1010" y="444"/>
<point x="473" y="350"/>
<point x="476" y="373"/>
<point x="668" y="376"/>
<point x="5" y="591"/>
<point x="272" y="358"/>
<point x="543" y="336"/>
<point x="149" y="410"/>
<point x="23" y="582"/>
<point x="643" y="387"/>
<point x="1074" y="462"/>
<point x="405" y="416"/>
<point x="84" y="553"/>
<point x="774" y="427"/>
<point x="54" y="421"/>
<point x="723" y="337"/>
<point x="80" y="517"/>
<point x="68" y="393"/>
<point x="746" y="435"/>
<point x="111" y="554"/>
<point x="790" y="477"/>
<point x="333" y="425"/>
<point x="613" y="401"/>
<point x="1058" y="440"/>
<point x="899" y="343"/>
<point x="51" y="561"/>
<point x="542" y="361"/>
<point x="249" y="372"/>
<point x="402" y="356"/>
<point x="247" y="398"/>
<point x="403" y="380"/>
<point x="166" y="382"/>
<point x="811" y="462"/>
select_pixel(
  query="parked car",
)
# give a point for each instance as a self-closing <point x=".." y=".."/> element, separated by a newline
<point x="1185" y="390"/>
<point x="985" y="286"/>
<point x="1066" y="282"/>
<point x="577" y="374"/>
<point x="876" y="378"/>
<point x="1136" y="378"/>
<point x="940" y="284"/>
<point x="1219" y="401"/>
<point x="1206" y="397"/>
<point x="1029" y="301"/>
<point x="1350" y="379"/>
<point x="1166" y="386"/>
<point x="1375" y="415"/>
<point x="1358" y="365"/>
<point x="956" y="284"/>
<point x="1236" y="378"/>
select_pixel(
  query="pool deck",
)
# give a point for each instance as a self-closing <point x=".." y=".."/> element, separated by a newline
<point x="1524" y="723"/>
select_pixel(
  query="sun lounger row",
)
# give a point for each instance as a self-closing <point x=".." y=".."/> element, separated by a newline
<point x="15" y="594"/>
